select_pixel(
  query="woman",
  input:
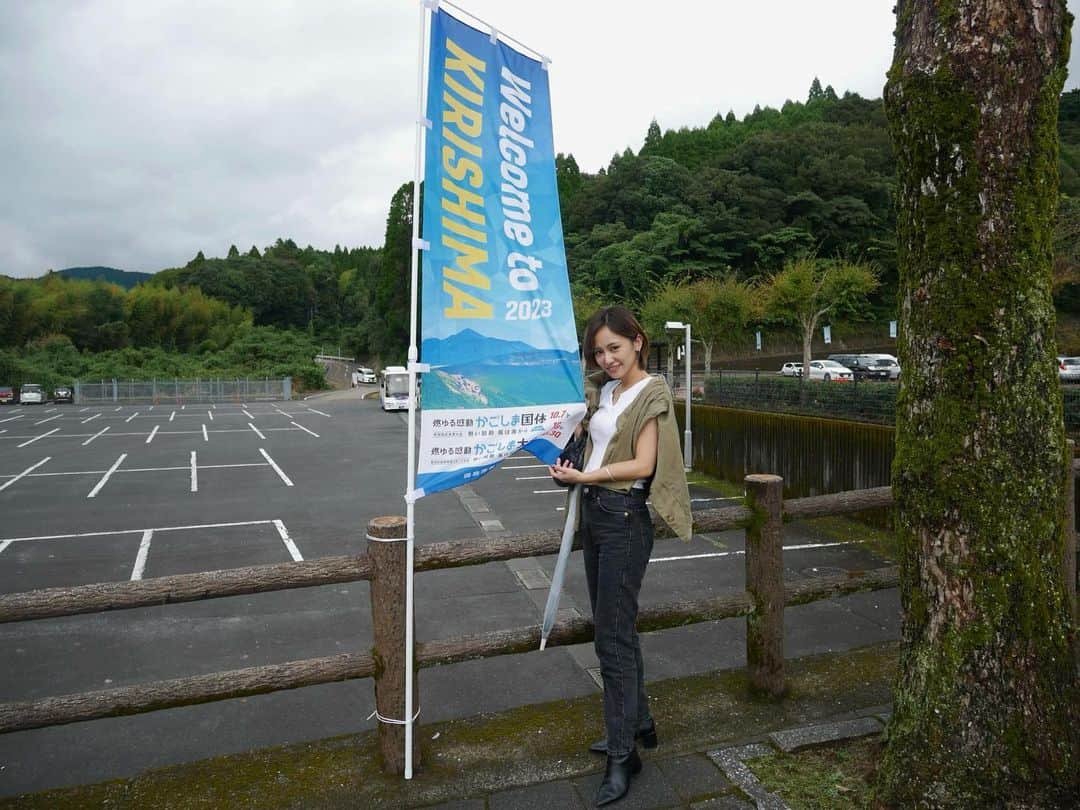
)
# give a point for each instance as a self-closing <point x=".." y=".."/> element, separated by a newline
<point x="632" y="453"/>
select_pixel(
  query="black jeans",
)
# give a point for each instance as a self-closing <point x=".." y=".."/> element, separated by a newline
<point x="617" y="538"/>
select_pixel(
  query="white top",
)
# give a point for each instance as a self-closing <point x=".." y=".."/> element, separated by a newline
<point x="602" y="424"/>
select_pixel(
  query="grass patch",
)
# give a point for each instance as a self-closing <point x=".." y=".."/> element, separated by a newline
<point x="724" y="489"/>
<point x="881" y="542"/>
<point x="840" y="775"/>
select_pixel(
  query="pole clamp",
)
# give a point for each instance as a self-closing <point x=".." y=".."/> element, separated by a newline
<point x="391" y="720"/>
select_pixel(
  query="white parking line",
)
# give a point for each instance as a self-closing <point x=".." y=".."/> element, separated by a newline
<point x="524" y="467"/>
<point x="91" y="418"/>
<point x="132" y="416"/>
<point x="548" y="491"/>
<point x="277" y="469"/>
<point x="84" y="409"/>
<point x="138" y="531"/>
<point x="172" y="416"/>
<point x="312" y="432"/>
<point x="532" y="477"/>
<point x="12" y="418"/>
<point x="289" y="544"/>
<point x="211" y="415"/>
<point x="118" y="409"/>
<point x="248" y="415"/>
<point x="153" y="432"/>
<point x="50" y="410"/>
<point x="25" y="472"/>
<point x="320" y="413"/>
<point x="108" y="474"/>
<point x="4" y="544"/>
<point x="740" y="552"/>
<point x="194" y="473"/>
<point x="182" y="407"/>
<point x="205" y="438"/>
<point x="43" y="421"/>
<point x="42" y="436"/>
<point x="257" y="433"/>
<point x="94" y="436"/>
<point x="151" y="407"/>
<point x="140" y="558"/>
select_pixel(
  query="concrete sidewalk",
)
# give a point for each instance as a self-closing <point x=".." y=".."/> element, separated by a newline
<point x="536" y="756"/>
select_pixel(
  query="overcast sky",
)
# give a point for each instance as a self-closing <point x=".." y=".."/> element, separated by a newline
<point x="136" y="133"/>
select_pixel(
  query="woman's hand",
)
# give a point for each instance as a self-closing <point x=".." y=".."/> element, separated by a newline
<point x="566" y="473"/>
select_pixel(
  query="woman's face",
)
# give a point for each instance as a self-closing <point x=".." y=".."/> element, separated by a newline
<point x="615" y="354"/>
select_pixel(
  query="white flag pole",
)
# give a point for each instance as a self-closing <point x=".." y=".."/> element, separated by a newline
<point x="410" y="475"/>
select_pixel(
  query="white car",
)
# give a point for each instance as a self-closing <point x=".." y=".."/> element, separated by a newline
<point x="1069" y="369"/>
<point x="791" y="370"/>
<point x="367" y="375"/>
<point x="31" y="393"/>
<point x="887" y="361"/>
<point x="829" y="371"/>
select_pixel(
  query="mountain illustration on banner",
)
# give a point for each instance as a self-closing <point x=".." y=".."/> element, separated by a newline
<point x="497" y="374"/>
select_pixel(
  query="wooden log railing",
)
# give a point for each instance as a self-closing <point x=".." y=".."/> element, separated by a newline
<point x="384" y="564"/>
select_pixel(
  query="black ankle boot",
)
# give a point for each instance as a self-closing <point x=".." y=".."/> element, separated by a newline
<point x="617" y="777"/>
<point x="646" y="736"/>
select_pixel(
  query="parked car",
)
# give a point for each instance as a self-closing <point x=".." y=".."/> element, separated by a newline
<point x="63" y="394"/>
<point x="791" y="370"/>
<point x="829" y="371"/>
<point x="863" y="366"/>
<point x="7" y="394"/>
<point x="1069" y="369"/>
<point x="31" y="394"/>
<point x="367" y="375"/>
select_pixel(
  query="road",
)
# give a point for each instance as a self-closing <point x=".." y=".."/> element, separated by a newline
<point x="117" y="493"/>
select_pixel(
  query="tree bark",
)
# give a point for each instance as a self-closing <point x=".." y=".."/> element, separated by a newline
<point x="986" y="703"/>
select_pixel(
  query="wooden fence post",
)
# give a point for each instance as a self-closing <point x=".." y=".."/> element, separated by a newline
<point x="765" y="583"/>
<point x="1070" y="533"/>
<point x="386" y="536"/>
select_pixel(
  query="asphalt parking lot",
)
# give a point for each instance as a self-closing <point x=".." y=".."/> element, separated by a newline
<point x="127" y="492"/>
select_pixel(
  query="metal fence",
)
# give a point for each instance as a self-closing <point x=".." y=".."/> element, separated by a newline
<point x="179" y="392"/>
<point x="863" y="401"/>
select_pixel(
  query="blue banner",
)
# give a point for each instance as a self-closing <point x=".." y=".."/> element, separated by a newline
<point x="497" y="319"/>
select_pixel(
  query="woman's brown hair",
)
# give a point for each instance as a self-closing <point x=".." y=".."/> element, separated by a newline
<point x="622" y="322"/>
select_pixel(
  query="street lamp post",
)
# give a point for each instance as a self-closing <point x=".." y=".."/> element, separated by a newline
<point x="688" y="447"/>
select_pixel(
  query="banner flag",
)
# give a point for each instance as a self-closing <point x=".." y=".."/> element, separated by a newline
<point x="497" y="320"/>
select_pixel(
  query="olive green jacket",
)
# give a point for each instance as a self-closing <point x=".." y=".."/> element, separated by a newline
<point x="668" y="492"/>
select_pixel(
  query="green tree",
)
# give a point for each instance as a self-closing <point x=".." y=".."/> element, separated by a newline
<point x="809" y="289"/>
<point x="668" y="302"/>
<point x="722" y="309"/>
<point x="986" y="709"/>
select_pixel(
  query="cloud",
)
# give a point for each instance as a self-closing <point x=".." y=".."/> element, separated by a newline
<point x="136" y="134"/>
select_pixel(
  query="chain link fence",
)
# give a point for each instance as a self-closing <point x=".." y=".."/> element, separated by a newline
<point x="179" y="392"/>
<point x="862" y="400"/>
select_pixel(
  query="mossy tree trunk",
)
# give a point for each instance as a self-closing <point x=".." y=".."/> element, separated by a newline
<point x="987" y="704"/>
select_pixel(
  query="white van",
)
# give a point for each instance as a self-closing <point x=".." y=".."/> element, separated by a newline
<point x="31" y="394"/>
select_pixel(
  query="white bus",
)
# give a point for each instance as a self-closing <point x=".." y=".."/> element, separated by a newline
<point x="394" y="388"/>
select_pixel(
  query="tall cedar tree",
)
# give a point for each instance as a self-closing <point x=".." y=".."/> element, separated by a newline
<point x="987" y="704"/>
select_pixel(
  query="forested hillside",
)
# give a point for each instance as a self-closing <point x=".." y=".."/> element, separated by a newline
<point x="736" y="200"/>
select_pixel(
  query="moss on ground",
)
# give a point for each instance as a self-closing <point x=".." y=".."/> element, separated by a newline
<point x="477" y="755"/>
<point x="822" y="778"/>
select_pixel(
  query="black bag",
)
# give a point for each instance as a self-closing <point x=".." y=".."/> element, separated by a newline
<point x="574" y="452"/>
